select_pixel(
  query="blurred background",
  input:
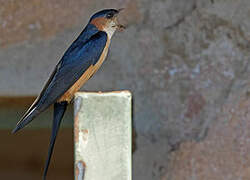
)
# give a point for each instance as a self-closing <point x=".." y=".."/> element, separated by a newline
<point x="186" y="63"/>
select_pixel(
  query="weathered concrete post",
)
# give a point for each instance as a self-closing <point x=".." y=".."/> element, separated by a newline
<point x="102" y="132"/>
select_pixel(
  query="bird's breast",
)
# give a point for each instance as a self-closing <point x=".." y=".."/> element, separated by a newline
<point x="69" y="94"/>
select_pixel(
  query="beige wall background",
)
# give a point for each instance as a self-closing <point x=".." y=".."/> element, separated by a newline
<point x="186" y="63"/>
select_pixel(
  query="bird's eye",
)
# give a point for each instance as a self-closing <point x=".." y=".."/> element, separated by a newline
<point x="110" y="15"/>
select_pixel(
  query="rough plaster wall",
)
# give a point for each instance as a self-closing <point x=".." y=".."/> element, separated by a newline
<point x="186" y="63"/>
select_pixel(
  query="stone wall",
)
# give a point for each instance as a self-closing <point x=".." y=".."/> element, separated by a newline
<point x="186" y="63"/>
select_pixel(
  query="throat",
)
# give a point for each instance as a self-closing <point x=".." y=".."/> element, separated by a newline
<point x="110" y="31"/>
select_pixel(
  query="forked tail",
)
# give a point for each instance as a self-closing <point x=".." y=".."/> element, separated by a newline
<point x="59" y="109"/>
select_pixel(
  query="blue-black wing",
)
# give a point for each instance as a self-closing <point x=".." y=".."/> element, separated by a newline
<point x="72" y="67"/>
<point x="78" y="58"/>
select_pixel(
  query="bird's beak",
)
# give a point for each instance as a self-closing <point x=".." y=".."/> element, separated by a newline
<point x="120" y="26"/>
<point x="119" y="10"/>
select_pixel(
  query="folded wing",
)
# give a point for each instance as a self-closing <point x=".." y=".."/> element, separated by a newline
<point x="77" y="59"/>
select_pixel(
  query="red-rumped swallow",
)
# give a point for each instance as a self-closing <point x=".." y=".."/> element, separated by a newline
<point x="81" y="60"/>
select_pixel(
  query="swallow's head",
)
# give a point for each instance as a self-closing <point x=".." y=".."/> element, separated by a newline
<point x="106" y="20"/>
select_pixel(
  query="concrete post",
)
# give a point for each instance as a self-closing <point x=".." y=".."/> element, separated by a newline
<point x="102" y="135"/>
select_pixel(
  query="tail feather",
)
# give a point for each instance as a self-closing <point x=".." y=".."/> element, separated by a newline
<point x="59" y="109"/>
<point x="26" y="119"/>
<point x="35" y="109"/>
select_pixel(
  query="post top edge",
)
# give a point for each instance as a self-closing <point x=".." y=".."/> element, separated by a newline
<point x="100" y="93"/>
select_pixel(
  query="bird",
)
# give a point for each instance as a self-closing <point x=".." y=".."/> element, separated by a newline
<point x="78" y="64"/>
